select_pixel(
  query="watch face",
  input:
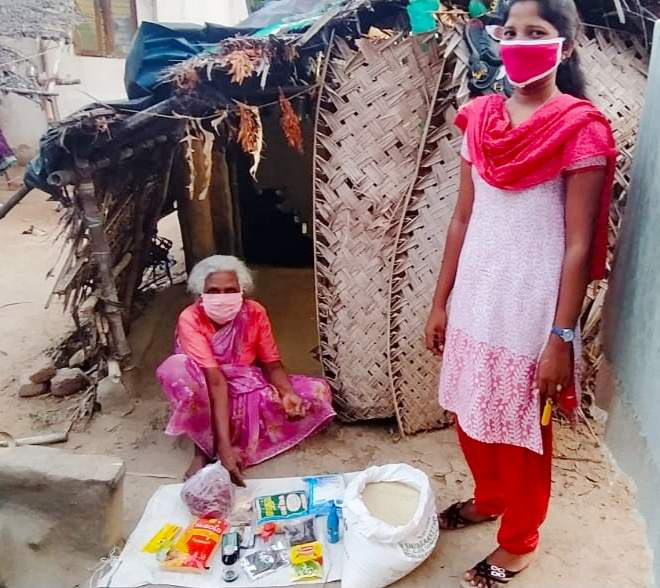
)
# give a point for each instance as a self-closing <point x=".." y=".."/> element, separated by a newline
<point x="566" y="335"/>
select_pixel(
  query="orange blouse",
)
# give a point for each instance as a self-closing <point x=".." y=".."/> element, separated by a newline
<point x="195" y="332"/>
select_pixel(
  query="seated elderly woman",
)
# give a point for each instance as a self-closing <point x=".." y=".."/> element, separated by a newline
<point x="229" y="391"/>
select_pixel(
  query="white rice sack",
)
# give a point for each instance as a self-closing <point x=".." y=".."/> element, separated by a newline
<point x="391" y="525"/>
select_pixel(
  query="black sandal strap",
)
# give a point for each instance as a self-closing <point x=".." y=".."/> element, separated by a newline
<point x="454" y="520"/>
<point x="452" y="517"/>
<point x="493" y="574"/>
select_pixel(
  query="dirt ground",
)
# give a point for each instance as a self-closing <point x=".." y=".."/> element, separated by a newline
<point x="593" y="538"/>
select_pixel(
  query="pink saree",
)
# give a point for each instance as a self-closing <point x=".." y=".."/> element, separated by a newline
<point x="260" y="428"/>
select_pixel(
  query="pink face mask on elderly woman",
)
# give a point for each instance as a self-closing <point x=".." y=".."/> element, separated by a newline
<point x="526" y="62"/>
<point x="222" y="308"/>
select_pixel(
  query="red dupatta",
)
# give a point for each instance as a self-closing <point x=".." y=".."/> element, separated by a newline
<point x="559" y="134"/>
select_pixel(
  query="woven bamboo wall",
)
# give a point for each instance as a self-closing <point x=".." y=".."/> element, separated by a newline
<point x="414" y="372"/>
<point x="376" y="101"/>
<point x="385" y="237"/>
<point x="616" y="68"/>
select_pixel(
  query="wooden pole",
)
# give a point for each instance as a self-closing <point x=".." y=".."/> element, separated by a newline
<point x="222" y="207"/>
<point x="85" y="193"/>
<point x="21" y="193"/>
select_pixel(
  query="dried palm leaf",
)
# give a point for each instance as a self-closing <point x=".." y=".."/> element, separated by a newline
<point x="377" y="34"/>
<point x="205" y="140"/>
<point x="241" y="65"/>
<point x="290" y="124"/>
<point x="186" y="77"/>
<point x="449" y="17"/>
<point x="187" y="140"/>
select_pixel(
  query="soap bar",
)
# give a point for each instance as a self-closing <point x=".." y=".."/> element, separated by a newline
<point x="163" y="539"/>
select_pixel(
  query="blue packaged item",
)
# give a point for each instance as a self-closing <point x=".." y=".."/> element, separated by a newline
<point x="333" y="524"/>
<point x="323" y="491"/>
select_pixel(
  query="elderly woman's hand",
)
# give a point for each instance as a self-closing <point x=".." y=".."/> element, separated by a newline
<point x="293" y="405"/>
<point x="229" y="458"/>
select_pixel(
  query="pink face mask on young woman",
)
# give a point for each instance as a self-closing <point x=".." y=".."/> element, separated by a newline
<point x="526" y="62"/>
<point x="222" y="308"/>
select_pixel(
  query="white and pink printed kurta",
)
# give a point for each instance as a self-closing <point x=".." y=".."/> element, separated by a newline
<point x="502" y="309"/>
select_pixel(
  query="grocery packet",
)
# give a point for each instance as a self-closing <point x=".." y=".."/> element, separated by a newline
<point x="193" y="552"/>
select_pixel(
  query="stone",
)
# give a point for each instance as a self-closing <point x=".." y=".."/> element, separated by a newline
<point x="43" y="370"/>
<point x="77" y="359"/>
<point x="68" y="381"/>
<point x="27" y="388"/>
<point x="112" y="395"/>
<point x="51" y="499"/>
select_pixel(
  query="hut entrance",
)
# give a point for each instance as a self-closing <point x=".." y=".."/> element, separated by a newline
<point x="266" y="221"/>
<point x="276" y="235"/>
<point x="276" y="209"/>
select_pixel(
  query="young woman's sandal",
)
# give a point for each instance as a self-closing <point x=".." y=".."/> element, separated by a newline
<point x="451" y="518"/>
<point x="487" y="575"/>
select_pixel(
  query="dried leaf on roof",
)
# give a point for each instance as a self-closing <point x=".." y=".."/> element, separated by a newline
<point x="241" y="65"/>
<point x="379" y="34"/>
<point x="290" y="124"/>
<point x="184" y="75"/>
<point x="450" y="17"/>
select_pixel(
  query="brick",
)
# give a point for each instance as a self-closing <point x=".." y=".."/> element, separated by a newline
<point x="68" y="381"/>
<point x="27" y="388"/>
<point x="42" y="370"/>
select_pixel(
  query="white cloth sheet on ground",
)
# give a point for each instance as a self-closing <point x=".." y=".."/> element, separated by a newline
<point x="134" y="568"/>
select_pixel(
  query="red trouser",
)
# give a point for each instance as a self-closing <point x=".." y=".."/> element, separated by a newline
<point x="513" y="482"/>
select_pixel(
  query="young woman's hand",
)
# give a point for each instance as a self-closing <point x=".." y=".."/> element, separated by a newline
<point x="293" y="405"/>
<point x="434" y="333"/>
<point x="230" y="460"/>
<point x="554" y="373"/>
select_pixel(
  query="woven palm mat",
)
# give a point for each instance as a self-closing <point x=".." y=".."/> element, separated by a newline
<point x="421" y="237"/>
<point x="616" y="67"/>
<point x="374" y="108"/>
<point x="616" y="72"/>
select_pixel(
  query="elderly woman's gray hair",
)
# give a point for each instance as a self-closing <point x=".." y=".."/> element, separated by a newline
<point x="219" y="263"/>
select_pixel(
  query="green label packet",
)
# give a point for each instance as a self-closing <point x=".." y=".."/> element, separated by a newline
<point x="279" y="507"/>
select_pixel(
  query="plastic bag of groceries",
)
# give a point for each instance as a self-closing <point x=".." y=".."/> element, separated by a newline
<point x="391" y="525"/>
<point x="209" y="493"/>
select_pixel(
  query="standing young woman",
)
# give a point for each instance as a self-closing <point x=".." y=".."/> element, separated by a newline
<point x="528" y="234"/>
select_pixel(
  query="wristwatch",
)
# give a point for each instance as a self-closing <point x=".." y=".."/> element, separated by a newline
<point x="566" y="335"/>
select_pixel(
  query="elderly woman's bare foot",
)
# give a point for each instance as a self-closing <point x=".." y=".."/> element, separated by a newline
<point x="498" y="568"/>
<point x="199" y="460"/>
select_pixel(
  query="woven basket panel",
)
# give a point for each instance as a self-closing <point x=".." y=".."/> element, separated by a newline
<point x="616" y="67"/>
<point x="371" y="121"/>
<point x="417" y="263"/>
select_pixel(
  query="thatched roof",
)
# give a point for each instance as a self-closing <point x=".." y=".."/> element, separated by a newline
<point x="248" y="69"/>
<point x="248" y="65"/>
<point x="48" y="19"/>
<point x="13" y="74"/>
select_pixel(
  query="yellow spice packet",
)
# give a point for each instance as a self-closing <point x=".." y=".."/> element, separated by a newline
<point x="164" y="538"/>
<point x="301" y="554"/>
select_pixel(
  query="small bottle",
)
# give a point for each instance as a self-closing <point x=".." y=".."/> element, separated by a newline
<point x="333" y="524"/>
